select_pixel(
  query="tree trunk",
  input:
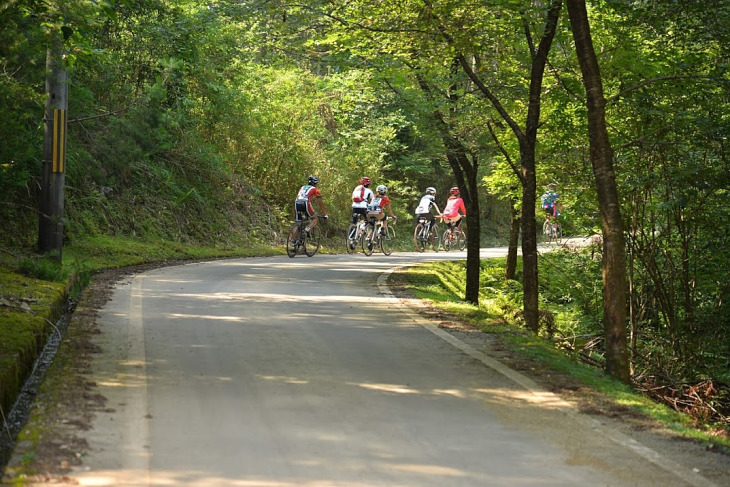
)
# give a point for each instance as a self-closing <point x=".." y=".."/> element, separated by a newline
<point x="530" y="290"/>
<point x="614" y="252"/>
<point x="514" y="237"/>
<point x="527" y="140"/>
<point x="465" y="172"/>
<point x="473" y="260"/>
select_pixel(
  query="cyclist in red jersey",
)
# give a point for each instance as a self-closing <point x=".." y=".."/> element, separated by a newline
<point x="378" y="205"/>
<point x="303" y="207"/>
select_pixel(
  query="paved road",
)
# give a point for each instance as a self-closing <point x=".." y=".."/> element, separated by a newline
<point x="306" y="372"/>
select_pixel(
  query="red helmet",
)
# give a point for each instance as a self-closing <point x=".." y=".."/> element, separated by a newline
<point x="365" y="181"/>
<point x="454" y="191"/>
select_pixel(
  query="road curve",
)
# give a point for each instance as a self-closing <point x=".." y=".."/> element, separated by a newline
<point x="279" y="372"/>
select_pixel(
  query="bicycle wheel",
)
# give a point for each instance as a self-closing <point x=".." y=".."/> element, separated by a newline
<point x="460" y="240"/>
<point x="351" y="239"/>
<point x="391" y="233"/>
<point x="292" y="241"/>
<point x="547" y="230"/>
<point x="368" y="240"/>
<point x="558" y="233"/>
<point x="311" y="242"/>
<point x="434" y="239"/>
<point x="386" y="243"/>
<point x="552" y="233"/>
<point x="417" y="240"/>
<point x="448" y="239"/>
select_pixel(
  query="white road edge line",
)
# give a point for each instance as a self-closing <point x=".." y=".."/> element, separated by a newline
<point x="136" y="447"/>
<point x="692" y="478"/>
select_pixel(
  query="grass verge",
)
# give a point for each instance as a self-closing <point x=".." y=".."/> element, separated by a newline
<point x="440" y="285"/>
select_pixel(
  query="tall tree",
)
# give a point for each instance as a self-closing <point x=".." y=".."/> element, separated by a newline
<point x="465" y="166"/>
<point x="527" y="139"/>
<point x="601" y="155"/>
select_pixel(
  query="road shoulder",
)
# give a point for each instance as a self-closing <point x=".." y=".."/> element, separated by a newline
<point x="690" y="460"/>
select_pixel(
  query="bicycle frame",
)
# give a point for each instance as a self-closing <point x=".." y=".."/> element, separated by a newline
<point x="427" y="234"/>
<point x="373" y="238"/>
<point x="355" y="234"/>
<point x="298" y="241"/>
<point x="454" y="237"/>
<point x="552" y="230"/>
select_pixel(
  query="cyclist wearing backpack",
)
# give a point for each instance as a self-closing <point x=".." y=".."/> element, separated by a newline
<point x="361" y="196"/>
<point x="377" y="206"/>
<point x="303" y="203"/>
<point x="550" y="202"/>
<point x="454" y="205"/>
<point x="424" y="206"/>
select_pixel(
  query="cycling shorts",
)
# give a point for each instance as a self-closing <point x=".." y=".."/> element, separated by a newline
<point x="302" y="210"/>
<point x="358" y="212"/>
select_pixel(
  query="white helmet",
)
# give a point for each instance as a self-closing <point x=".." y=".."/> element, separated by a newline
<point x="430" y="190"/>
<point x="381" y="189"/>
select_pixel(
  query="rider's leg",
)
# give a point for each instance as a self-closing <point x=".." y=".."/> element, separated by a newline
<point x="300" y="213"/>
<point x="358" y="214"/>
<point x="384" y="219"/>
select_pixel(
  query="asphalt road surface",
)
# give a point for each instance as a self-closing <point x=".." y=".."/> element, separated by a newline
<point x="278" y="372"/>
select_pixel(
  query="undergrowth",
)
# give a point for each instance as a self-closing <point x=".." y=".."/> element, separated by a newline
<point x="573" y="301"/>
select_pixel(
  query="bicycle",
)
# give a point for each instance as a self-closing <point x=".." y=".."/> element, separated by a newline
<point x="302" y="239"/>
<point x="426" y="234"/>
<point x="552" y="231"/>
<point x="376" y="237"/>
<point x="355" y="234"/>
<point x="454" y="237"/>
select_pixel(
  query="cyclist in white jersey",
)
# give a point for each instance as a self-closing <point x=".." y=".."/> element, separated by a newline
<point x="424" y="206"/>
<point x="362" y="195"/>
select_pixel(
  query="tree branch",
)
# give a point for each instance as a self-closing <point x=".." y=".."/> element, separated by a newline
<point x="108" y="114"/>
<point x="504" y="152"/>
<point x="648" y="82"/>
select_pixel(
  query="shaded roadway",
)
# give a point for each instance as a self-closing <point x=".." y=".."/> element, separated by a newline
<point x="307" y="372"/>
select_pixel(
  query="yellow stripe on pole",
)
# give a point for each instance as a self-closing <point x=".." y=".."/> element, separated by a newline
<point x="59" y="140"/>
<point x="62" y="142"/>
<point x="55" y="142"/>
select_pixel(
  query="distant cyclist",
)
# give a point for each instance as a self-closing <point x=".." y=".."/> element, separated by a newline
<point x="454" y="208"/>
<point x="424" y="206"/>
<point x="303" y="203"/>
<point x="361" y="196"/>
<point x="549" y="201"/>
<point x="377" y="207"/>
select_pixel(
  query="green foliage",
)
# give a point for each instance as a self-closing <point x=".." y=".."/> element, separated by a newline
<point x="21" y="104"/>
<point x="28" y="303"/>
<point x="572" y="301"/>
<point x="46" y="268"/>
<point x="570" y="286"/>
<point x="500" y="299"/>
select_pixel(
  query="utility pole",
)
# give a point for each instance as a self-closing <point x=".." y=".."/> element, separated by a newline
<point x="51" y="221"/>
